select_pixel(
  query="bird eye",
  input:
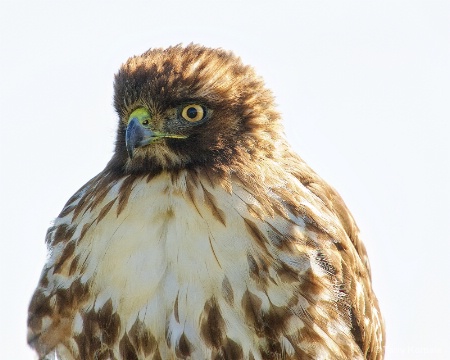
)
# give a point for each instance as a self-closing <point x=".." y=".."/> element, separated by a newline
<point x="193" y="113"/>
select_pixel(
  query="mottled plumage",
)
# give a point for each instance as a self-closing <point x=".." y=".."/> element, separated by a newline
<point x="206" y="236"/>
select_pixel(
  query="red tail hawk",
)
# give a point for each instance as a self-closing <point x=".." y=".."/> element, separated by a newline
<point x="206" y="236"/>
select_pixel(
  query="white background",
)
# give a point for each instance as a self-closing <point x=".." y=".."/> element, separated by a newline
<point x="364" y="89"/>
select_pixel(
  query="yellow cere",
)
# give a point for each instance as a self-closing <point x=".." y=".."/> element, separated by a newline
<point x="142" y="115"/>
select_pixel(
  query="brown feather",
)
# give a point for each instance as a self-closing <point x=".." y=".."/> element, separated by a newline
<point x="279" y="259"/>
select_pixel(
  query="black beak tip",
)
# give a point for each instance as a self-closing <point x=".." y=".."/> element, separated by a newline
<point x="136" y="136"/>
<point x="131" y="136"/>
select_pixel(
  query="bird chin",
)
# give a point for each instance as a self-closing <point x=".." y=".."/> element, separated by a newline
<point x="156" y="155"/>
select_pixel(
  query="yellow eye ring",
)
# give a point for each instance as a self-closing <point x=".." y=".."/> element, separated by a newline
<point x="193" y="113"/>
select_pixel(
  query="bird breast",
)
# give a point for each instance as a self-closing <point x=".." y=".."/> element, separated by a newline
<point x="160" y="251"/>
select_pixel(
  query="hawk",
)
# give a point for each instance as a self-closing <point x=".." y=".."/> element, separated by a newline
<point x="205" y="236"/>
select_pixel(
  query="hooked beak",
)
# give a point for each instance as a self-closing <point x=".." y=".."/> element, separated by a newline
<point x="138" y="135"/>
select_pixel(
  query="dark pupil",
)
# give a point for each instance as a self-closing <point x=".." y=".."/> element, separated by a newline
<point x="192" y="112"/>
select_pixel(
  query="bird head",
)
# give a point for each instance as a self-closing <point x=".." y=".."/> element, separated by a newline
<point x="185" y="107"/>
